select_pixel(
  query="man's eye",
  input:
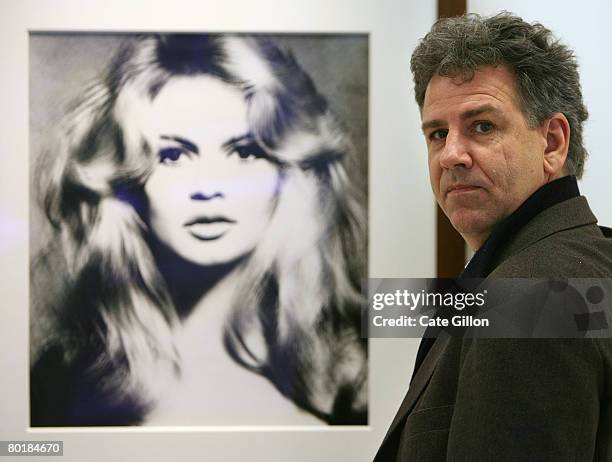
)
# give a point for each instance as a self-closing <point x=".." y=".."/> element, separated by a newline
<point x="173" y="156"/>
<point x="438" y="134"/>
<point x="483" y="127"/>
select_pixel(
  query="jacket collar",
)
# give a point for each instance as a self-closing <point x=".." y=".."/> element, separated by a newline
<point x="538" y="208"/>
<point x="565" y="215"/>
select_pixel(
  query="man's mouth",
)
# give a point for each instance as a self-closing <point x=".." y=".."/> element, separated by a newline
<point x="457" y="189"/>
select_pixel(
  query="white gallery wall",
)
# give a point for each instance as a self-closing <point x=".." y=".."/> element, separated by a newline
<point x="401" y="207"/>
<point x="401" y="211"/>
<point x="585" y="27"/>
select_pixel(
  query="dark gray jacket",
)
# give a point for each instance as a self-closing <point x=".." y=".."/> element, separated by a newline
<point x="518" y="399"/>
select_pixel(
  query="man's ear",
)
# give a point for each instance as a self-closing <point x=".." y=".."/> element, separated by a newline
<point x="557" y="131"/>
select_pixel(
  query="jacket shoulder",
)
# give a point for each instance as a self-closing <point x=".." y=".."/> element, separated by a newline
<point x="578" y="252"/>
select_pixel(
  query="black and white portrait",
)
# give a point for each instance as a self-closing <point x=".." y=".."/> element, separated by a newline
<point x="198" y="229"/>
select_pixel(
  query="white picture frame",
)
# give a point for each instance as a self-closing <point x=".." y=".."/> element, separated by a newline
<point x="401" y="214"/>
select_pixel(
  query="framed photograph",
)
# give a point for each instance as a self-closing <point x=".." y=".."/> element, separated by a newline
<point x="198" y="229"/>
<point x="90" y="232"/>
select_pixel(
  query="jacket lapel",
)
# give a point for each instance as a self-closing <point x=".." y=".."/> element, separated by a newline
<point x="420" y="381"/>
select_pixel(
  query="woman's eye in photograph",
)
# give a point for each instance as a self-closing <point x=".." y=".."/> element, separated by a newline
<point x="248" y="151"/>
<point x="174" y="156"/>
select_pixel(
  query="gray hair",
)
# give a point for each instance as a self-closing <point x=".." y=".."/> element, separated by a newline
<point x="546" y="70"/>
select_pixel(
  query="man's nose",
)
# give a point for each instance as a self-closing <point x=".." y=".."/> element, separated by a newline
<point x="456" y="151"/>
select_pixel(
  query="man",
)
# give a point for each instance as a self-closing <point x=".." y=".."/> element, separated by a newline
<point x="502" y="116"/>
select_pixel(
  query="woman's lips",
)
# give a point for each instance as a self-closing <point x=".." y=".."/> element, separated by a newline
<point x="209" y="228"/>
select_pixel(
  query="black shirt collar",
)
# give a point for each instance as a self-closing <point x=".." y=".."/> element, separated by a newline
<point x="548" y="195"/>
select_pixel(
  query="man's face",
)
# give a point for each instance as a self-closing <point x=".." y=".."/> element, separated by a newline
<point x="484" y="161"/>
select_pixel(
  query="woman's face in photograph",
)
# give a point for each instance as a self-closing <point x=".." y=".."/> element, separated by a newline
<point x="213" y="190"/>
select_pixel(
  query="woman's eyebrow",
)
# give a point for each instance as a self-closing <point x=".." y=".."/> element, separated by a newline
<point x="186" y="143"/>
<point x="239" y="139"/>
